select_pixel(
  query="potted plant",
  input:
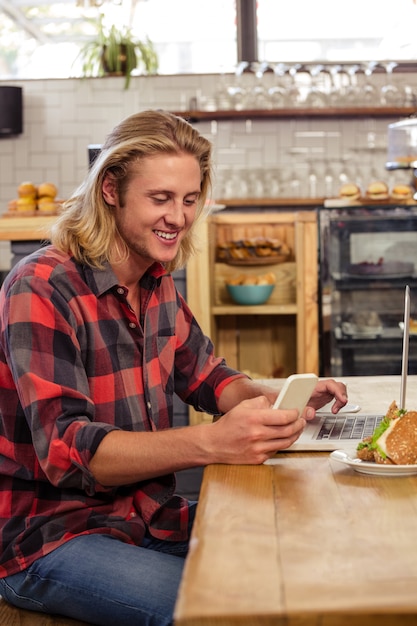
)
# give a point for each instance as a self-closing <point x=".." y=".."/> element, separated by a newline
<point x="115" y="51"/>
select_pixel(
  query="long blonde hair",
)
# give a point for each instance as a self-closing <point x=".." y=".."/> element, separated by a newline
<point x="86" y="227"/>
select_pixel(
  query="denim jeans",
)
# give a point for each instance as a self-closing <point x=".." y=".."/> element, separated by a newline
<point x="101" y="580"/>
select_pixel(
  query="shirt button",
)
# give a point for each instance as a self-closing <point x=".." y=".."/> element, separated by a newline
<point x="120" y="290"/>
<point x="148" y="404"/>
<point x="132" y="325"/>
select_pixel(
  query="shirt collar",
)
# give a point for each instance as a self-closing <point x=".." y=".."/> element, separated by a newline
<point x="102" y="280"/>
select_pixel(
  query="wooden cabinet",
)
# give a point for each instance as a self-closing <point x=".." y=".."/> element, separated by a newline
<point x="275" y="339"/>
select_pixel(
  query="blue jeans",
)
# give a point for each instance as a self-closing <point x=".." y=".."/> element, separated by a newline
<point x="101" y="580"/>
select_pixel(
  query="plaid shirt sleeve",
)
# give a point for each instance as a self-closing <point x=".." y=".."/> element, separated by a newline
<point x="75" y="363"/>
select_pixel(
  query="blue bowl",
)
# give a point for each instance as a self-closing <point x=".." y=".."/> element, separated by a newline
<point x="250" y="294"/>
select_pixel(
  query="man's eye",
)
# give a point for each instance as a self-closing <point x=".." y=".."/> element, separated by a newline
<point x="190" y="201"/>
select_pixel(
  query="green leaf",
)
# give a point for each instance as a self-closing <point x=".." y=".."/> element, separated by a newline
<point x="372" y="444"/>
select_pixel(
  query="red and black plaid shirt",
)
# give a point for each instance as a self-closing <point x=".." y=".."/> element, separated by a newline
<point x="76" y="363"/>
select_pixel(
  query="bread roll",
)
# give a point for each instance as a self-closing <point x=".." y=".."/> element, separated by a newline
<point x="377" y="190"/>
<point x="27" y="190"/>
<point x="47" y="190"/>
<point x="350" y="191"/>
<point x="401" y="192"/>
<point x="47" y="205"/>
<point x="26" y="205"/>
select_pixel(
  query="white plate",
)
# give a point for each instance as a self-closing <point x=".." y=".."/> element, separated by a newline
<point x="364" y="332"/>
<point x="348" y="457"/>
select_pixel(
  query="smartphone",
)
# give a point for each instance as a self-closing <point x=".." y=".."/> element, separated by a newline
<point x="296" y="392"/>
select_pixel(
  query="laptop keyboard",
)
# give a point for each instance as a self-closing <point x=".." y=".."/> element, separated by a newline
<point x="349" y="427"/>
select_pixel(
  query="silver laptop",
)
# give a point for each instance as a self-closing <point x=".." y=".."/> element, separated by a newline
<point x="348" y="427"/>
<point x="332" y="432"/>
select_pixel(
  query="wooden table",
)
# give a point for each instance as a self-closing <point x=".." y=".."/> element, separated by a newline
<point x="305" y="542"/>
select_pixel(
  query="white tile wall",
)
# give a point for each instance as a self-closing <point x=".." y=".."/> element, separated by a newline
<point x="61" y="117"/>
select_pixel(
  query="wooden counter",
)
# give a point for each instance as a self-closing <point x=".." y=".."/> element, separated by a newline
<point x="305" y="542"/>
<point x="26" y="228"/>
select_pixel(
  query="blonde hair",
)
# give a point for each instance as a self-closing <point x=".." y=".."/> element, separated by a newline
<point x="86" y="227"/>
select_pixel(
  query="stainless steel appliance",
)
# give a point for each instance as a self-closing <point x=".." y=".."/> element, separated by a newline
<point x="368" y="254"/>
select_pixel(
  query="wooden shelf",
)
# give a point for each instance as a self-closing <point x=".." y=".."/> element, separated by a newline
<point x="261" y="309"/>
<point x="338" y="112"/>
<point x="284" y="203"/>
<point x="281" y="335"/>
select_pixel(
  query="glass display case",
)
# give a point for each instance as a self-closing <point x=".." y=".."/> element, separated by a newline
<point x="368" y="254"/>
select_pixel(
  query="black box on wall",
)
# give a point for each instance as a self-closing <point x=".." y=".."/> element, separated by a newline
<point x="11" y="111"/>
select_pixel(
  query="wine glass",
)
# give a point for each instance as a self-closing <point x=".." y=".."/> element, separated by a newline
<point x="294" y="186"/>
<point x="293" y="93"/>
<point x="222" y="94"/>
<point x="313" y="181"/>
<point x="316" y="96"/>
<point x="316" y="170"/>
<point x="272" y="183"/>
<point x="278" y="93"/>
<point x="258" y="94"/>
<point x="330" y="183"/>
<point x="390" y="94"/>
<point x="237" y="92"/>
<point x="368" y="90"/>
<point x="352" y="91"/>
<point x="334" y="91"/>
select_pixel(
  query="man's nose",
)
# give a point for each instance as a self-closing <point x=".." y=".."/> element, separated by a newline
<point x="176" y="215"/>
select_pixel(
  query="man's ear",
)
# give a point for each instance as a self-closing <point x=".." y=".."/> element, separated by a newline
<point x="109" y="190"/>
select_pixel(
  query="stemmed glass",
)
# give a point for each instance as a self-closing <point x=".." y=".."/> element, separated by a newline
<point x="272" y="183"/>
<point x="344" y="85"/>
<point x="334" y="92"/>
<point x="312" y="179"/>
<point x="293" y="93"/>
<point x="390" y="94"/>
<point x="351" y="92"/>
<point x="329" y="180"/>
<point x="278" y="93"/>
<point x="237" y="92"/>
<point x="293" y="182"/>
<point x="315" y="95"/>
<point x="258" y="96"/>
<point x="368" y="90"/>
<point x="222" y="94"/>
<point x="316" y="167"/>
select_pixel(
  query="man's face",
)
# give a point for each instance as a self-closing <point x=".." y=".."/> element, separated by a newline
<point x="160" y="206"/>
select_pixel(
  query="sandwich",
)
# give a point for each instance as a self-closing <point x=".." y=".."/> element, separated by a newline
<point x="377" y="190"/>
<point x="349" y="192"/>
<point x="401" y="192"/>
<point x="394" y="441"/>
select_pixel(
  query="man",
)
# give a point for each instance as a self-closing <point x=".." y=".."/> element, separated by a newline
<point x="94" y="342"/>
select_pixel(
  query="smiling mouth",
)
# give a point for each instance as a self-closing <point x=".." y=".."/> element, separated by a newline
<point x="166" y="236"/>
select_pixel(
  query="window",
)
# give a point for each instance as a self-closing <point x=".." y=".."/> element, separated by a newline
<point x="336" y="31"/>
<point x="41" y="40"/>
<point x="194" y="36"/>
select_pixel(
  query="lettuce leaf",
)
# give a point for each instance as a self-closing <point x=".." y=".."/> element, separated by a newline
<point x="372" y="444"/>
